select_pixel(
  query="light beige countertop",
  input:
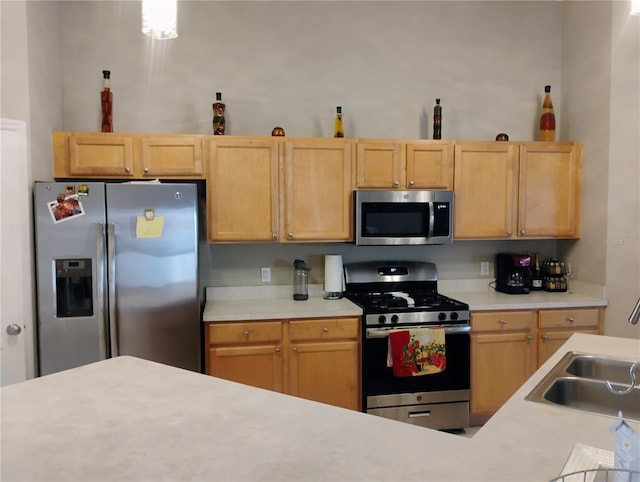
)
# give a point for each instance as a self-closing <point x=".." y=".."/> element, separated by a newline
<point x="481" y="297"/>
<point x="270" y="303"/>
<point x="127" y="419"/>
<point x="276" y="302"/>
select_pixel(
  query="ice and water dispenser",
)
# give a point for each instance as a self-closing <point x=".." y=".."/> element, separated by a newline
<point x="74" y="293"/>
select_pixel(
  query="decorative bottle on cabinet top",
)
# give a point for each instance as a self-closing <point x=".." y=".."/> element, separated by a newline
<point x="437" y="120"/>
<point x="106" y="102"/>
<point x="338" y="126"/>
<point x="218" y="115"/>
<point x="547" y="118"/>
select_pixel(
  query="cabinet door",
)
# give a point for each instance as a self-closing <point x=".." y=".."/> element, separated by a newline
<point x="551" y="340"/>
<point x="326" y="372"/>
<point x="379" y="165"/>
<point x="318" y="190"/>
<point x="179" y="156"/>
<point x="500" y="364"/>
<point x="100" y="155"/>
<point x="485" y="185"/>
<point x="256" y="365"/>
<point x="550" y="190"/>
<point x="242" y="190"/>
<point x="429" y="165"/>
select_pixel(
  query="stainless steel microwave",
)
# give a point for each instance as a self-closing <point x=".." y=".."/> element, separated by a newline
<point x="403" y="217"/>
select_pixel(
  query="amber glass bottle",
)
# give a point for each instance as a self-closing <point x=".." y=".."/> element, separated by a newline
<point x="106" y="101"/>
<point x="218" y="115"/>
<point x="338" y="126"/>
<point x="547" y="118"/>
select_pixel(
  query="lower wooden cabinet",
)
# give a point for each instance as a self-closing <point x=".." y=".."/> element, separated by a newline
<point x="503" y="357"/>
<point x="556" y="326"/>
<point x="317" y="359"/>
<point x="508" y="346"/>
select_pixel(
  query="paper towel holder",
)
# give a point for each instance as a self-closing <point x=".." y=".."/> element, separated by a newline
<point x="333" y="277"/>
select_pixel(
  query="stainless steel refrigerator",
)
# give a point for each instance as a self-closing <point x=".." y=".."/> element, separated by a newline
<point x="116" y="273"/>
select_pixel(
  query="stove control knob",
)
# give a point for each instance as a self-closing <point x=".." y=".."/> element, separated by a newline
<point x="382" y="319"/>
<point x="442" y="316"/>
<point x="454" y="315"/>
<point x="394" y="319"/>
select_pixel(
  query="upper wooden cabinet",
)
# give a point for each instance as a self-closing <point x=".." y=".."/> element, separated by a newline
<point x="242" y="189"/>
<point x="136" y="156"/>
<point x="404" y="165"/>
<point x="550" y="190"/>
<point x="274" y="190"/>
<point x="508" y="190"/>
<point x="317" y="190"/>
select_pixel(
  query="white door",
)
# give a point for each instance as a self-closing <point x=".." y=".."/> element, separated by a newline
<point x="16" y="309"/>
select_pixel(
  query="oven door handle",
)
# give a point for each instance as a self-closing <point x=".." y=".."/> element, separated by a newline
<point x="448" y="330"/>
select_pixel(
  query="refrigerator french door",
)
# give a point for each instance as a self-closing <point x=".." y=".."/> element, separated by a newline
<point x="116" y="273"/>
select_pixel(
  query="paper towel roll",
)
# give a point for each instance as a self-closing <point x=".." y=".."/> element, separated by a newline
<point x="333" y="277"/>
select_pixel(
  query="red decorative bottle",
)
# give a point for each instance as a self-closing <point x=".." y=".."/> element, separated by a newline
<point x="547" y="118"/>
<point x="106" y="100"/>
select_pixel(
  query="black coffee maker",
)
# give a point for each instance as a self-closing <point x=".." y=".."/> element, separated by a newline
<point x="513" y="273"/>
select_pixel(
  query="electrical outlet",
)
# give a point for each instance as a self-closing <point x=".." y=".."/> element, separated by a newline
<point x="266" y="275"/>
<point x="484" y="268"/>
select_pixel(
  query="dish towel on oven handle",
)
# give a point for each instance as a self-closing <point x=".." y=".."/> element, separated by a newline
<point x="420" y="351"/>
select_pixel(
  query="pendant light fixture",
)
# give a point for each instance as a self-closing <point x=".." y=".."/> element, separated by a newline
<point x="159" y="19"/>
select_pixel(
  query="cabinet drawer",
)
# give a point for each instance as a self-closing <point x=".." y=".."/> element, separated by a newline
<point x="568" y="318"/>
<point x="502" y="321"/>
<point x="226" y="333"/>
<point x="323" y="329"/>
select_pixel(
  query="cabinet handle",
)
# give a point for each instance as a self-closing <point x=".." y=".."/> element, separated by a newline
<point x="396" y="183"/>
<point x="295" y="348"/>
<point x="509" y="233"/>
<point x="503" y="322"/>
<point x="522" y="231"/>
<point x="290" y="235"/>
<point x="529" y="339"/>
<point x="245" y="333"/>
<point x="545" y="337"/>
<point x="146" y="169"/>
<point x="570" y="319"/>
<point x="277" y="349"/>
<point x="411" y="183"/>
<point x="126" y="169"/>
<point x="274" y="235"/>
<point x="325" y="330"/>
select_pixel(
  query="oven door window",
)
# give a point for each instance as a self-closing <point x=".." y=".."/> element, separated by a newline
<point x="395" y="219"/>
<point x="378" y="379"/>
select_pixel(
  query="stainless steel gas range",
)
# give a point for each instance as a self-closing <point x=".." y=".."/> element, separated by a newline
<point x="403" y="295"/>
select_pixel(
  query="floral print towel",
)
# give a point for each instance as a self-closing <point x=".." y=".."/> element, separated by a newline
<point x="416" y="352"/>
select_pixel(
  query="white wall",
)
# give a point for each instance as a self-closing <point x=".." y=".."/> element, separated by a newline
<point x="602" y="104"/>
<point x="290" y="63"/>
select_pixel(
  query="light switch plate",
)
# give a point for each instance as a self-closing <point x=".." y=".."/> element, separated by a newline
<point x="484" y="268"/>
<point x="266" y="275"/>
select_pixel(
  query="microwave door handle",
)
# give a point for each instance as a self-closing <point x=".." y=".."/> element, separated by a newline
<point x="432" y="219"/>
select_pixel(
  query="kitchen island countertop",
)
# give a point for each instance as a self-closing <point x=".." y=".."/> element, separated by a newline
<point x="129" y="419"/>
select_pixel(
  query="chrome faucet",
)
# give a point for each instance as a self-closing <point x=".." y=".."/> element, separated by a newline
<point x="632" y="370"/>
<point x="635" y="314"/>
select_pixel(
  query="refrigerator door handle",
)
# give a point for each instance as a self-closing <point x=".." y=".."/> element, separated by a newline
<point x="101" y="290"/>
<point x="111" y="277"/>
